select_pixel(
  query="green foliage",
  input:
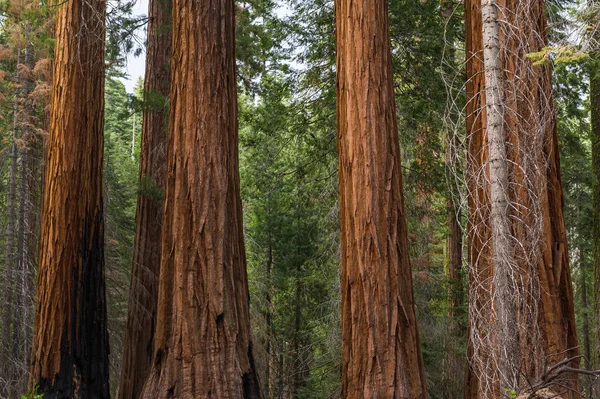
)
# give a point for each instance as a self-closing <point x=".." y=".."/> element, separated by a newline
<point x="510" y="393"/>
<point x="33" y="394"/>
<point x="567" y="54"/>
<point x="148" y="187"/>
<point x="258" y="35"/>
<point x="120" y="195"/>
<point x="292" y="268"/>
<point x="122" y="32"/>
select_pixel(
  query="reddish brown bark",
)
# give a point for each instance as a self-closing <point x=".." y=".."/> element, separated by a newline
<point x="143" y="291"/>
<point x="70" y="345"/>
<point x="381" y="353"/>
<point x="545" y="312"/>
<point x="202" y="346"/>
<point x="478" y="231"/>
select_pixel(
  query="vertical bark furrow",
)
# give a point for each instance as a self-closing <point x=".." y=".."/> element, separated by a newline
<point x="516" y="220"/>
<point x="381" y="354"/>
<point x="70" y="345"/>
<point x="202" y="342"/>
<point x="143" y="291"/>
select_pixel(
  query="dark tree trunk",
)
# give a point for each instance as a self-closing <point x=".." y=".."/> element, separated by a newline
<point x="587" y="352"/>
<point x="595" y="139"/>
<point x="381" y="353"/>
<point x="143" y="291"/>
<point x="22" y="307"/>
<point x="7" y="360"/>
<point x="70" y="345"/>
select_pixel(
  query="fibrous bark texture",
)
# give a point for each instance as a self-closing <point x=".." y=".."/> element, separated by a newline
<point x="70" y="345"/>
<point x="526" y="257"/>
<point x="503" y="257"/>
<point x="143" y="291"/>
<point x="202" y="346"/>
<point x="381" y="354"/>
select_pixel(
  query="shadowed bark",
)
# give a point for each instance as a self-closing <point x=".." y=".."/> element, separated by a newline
<point x="143" y="291"/>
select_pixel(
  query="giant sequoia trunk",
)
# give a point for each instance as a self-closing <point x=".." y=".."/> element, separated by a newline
<point x="532" y="262"/>
<point x="143" y="291"/>
<point x="381" y="354"/>
<point x="70" y="345"/>
<point x="202" y="346"/>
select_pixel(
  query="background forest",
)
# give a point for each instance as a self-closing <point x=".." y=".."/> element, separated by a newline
<point x="286" y="66"/>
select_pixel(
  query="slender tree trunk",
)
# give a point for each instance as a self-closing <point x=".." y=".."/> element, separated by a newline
<point x="269" y="316"/>
<point x="584" y="303"/>
<point x="381" y="353"/>
<point x="297" y="366"/>
<point x="454" y="240"/>
<point x="133" y="128"/>
<point x="202" y="346"/>
<point x="516" y="131"/>
<point x="29" y="225"/>
<point x="595" y="139"/>
<point x="454" y="256"/>
<point x="70" y="345"/>
<point x="143" y="291"/>
<point x="505" y="267"/>
<point x="9" y="289"/>
<point x="22" y="306"/>
<point x="480" y="265"/>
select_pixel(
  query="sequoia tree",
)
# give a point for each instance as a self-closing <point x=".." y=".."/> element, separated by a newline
<point x="143" y="291"/>
<point x="521" y="310"/>
<point x="202" y="346"/>
<point x="70" y="344"/>
<point x="381" y="354"/>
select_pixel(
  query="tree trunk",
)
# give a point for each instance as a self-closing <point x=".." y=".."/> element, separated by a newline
<point x="70" y="345"/>
<point x="31" y="215"/>
<point x="143" y="291"/>
<point x="480" y="266"/>
<point x="529" y="196"/>
<point x="451" y="157"/>
<point x="202" y="346"/>
<point x="454" y="255"/>
<point x="381" y="353"/>
<point x="584" y="304"/>
<point x="9" y="280"/>
<point x="269" y="313"/>
<point x="22" y="307"/>
<point x="504" y="263"/>
<point x="595" y="139"/>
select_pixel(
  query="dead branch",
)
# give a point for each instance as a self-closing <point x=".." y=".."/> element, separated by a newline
<point x="549" y="379"/>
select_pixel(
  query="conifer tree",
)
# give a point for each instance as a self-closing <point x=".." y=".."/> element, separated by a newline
<point x="521" y="308"/>
<point x="70" y="345"/>
<point x="381" y="353"/>
<point x="202" y="345"/>
<point x="143" y="291"/>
